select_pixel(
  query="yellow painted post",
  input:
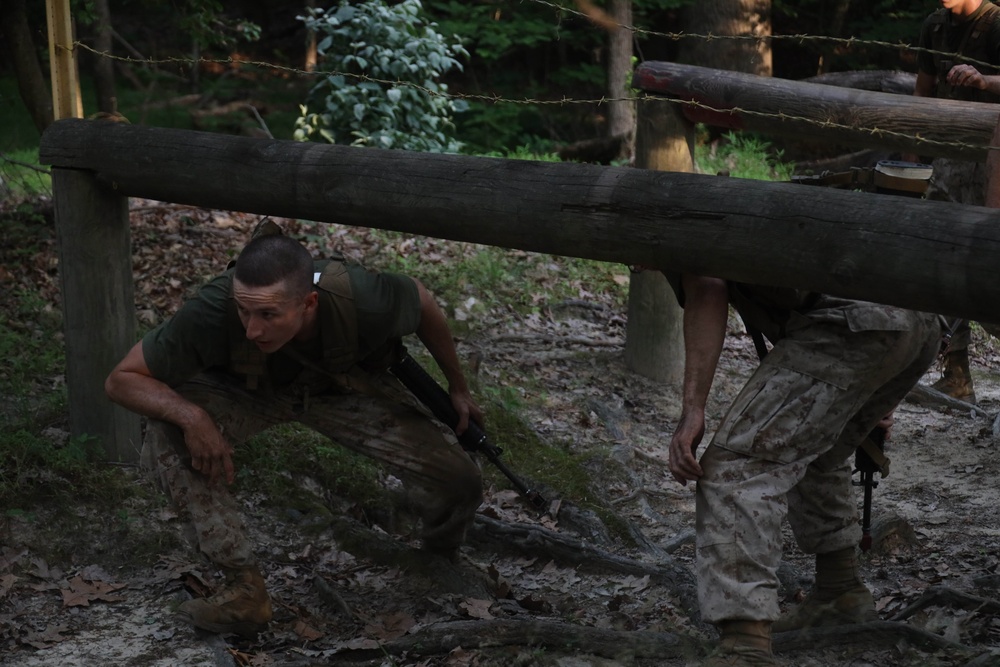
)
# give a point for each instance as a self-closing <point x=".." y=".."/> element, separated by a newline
<point x="66" y="102"/>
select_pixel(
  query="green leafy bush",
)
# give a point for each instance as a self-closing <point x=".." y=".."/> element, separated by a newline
<point x="742" y="156"/>
<point x="380" y="84"/>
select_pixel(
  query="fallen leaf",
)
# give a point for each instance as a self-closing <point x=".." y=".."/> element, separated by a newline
<point x="477" y="608"/>
<point x="306" y="631"/>
<point x="81" y="593"/>
<point x="531" y="603"/>
<point x="391" y="626"/>
<point x="46" y="638"/>
<point x="6" y="583"/>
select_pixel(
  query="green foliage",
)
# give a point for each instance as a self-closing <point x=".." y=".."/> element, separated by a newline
<point x="380" y="86"/>
<point x="742" y="156"/>
<point x="21" y="176"/>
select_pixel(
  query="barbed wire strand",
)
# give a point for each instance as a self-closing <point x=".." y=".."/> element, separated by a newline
<point x="798" y="37"/>
<point x="496" y="99"/>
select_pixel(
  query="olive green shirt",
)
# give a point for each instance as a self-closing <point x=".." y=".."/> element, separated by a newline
<point x="197" y="337"/>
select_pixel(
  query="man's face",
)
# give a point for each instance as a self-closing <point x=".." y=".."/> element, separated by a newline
<point x="961" y="7"/>
<point x="273" y="316"/>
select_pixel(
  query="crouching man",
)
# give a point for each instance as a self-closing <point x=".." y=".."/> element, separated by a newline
<point x="279" y="338"/>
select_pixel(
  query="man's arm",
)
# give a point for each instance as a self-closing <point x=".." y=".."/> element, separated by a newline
<point x="925" y="84"/>
<point x="132" y="385"/>
<point x="706" y="311"/>
<point x="434" y="333"/>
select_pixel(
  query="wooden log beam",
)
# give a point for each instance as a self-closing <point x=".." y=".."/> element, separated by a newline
<point x="835" y="114"/>
<point x="931" y="256"/>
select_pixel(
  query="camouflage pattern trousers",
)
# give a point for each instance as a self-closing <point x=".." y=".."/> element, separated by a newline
<point x="783" y="448"/>
<point x="384" y="422"/>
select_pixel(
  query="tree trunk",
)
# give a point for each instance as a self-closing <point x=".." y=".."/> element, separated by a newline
<point x="312" y="56"/>
<point x="834" y="29"/>
<point x="621" y="116"/>
<point x="31" y="83"/>
<point x="104" y="70"/>
<point x="749" y="19"/>
<point x="654" y="333"/>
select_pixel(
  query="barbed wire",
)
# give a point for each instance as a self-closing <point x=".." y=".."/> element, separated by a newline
<point x="497" y="99"/>
<point x="798" y="37"/>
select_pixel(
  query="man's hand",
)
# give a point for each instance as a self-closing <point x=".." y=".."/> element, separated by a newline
<point x="966" y="75"/>
<point x="466" y="408"/>
<point x="886" y="424"/>
<point x="211" y="453"/>
<point x="683" y="464"/>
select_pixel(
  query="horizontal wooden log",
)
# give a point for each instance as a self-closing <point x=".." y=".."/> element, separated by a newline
<point x="882" y="81"/>
<point x="930" y="256"/>
<point x="802" y="110"/>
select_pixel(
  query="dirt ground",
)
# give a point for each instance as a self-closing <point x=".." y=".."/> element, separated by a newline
<point x="552" y="588"/>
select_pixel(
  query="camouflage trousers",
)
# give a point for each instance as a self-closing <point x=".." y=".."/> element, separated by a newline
<point x="784" y="446"/>
<point x="385" y="423"/>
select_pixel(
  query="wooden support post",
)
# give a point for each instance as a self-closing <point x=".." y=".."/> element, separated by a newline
<point x="993" y="170"/>
<point x="66" y="102"/>
<point x="654" y="334"/>
<point x="98" y="293"/>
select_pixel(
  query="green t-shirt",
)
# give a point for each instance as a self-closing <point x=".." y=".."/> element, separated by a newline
<point x="197" y="337"/>
<point x="944" y="33"/>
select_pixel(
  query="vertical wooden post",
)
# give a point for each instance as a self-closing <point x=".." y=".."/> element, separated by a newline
<point x="98" y="293"/>
<point x="992" y="198"/>
<point x="654" y="335"/>
<point x="66" y="102"/>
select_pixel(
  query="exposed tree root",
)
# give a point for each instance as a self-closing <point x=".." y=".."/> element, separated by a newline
<point x="875" y="633"/>
<point x="944" y="596"/>
<point x="441" y="638"/>
<point x="534" y="540"/>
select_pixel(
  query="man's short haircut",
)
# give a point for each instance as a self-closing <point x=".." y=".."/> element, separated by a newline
<point x="269" y="260"/>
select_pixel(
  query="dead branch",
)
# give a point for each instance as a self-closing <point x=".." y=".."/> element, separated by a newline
<point x="441" y="638"/>
<point x="943" y="595"/>
<point x="875" y="633"/>
<point x="249" y="106"/>
<point x="987" y="659"/>
<point x="558" y="340"/>
<point x="932" y="398"/>
<point x="331" y="598"/>
<point x="26" y="165"/>
<point x="537" y="541"/>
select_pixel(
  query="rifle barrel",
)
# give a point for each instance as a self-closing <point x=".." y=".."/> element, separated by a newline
<point x="474" y="438"/>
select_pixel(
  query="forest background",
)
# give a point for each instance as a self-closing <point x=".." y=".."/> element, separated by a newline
<point x="541" y="335"/>
<point x="534" y="75"/>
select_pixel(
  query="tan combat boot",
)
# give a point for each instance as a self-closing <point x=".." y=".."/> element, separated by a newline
<point x="839" y="597"/>
<point x="742" y="644"/>
<point x="243" y="607"/>
<point x="956" y="380"/>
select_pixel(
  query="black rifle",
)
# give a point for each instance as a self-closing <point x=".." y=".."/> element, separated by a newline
<point x="868" y="460"/>
<point x="474" y="438"/>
